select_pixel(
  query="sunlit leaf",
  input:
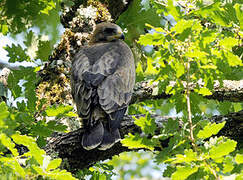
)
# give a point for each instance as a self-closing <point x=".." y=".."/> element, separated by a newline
<point x="228" y="42"/>
<point x="204" y="91"/>
<point x="182" y="172"/>
<point x="60" y="175"/>
<point x="136" y="142"/>
<point x="210" y="129"/>
<point x="6" y="141"/>
<point x="3" y="29"/>
<point x="187" y="157"/>
<point x="228" y="164"/>
<point x="151" y="70"/>
<point x="173" y="10"/>
<point x="182" y="25"/>
<point x="55" y="163"/>
<point x="179" y="69"/>
<point x="239" y="14"/>
<point x="233" y="60"/>
<point x="55" y="111"/>
<point x="4" y="112"/>
<point x="30" y="143"/>
<point x="239" y="158"/>
<point x="151" y="39"/>
<point x="158" y="29"/>
<point x="222" y="148"/>
<point x="146" y="123"/>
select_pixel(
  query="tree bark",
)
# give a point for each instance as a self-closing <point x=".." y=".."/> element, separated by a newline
<point x="68" y="146"/>
<point x="230" y="91"/>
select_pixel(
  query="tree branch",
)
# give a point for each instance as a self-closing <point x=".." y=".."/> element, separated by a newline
<point x="231" y="91"/>
<point x="68" y="146"/>
<point x="10" y="66"/>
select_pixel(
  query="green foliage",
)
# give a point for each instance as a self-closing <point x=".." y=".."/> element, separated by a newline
<point x="197" y="50"/>
<point x="29" y="164"/>
<point x="101" y="171"/>
<point x="17" y="16"/>
<point x="23" y="127"/>
<point x="199" y="45"/>
<point x="139" y="13"/>
<point x="136" y="141"/>
<point x="135" y="165"/>
<point x="146" y="123"/>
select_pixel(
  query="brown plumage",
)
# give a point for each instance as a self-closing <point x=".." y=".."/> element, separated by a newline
<point x="102" y="80"/>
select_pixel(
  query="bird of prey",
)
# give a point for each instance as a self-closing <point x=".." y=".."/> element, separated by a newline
<point x="102" y="81"/>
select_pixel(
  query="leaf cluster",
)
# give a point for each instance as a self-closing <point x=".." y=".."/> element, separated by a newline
<point x="29" y="164"/>
<point x="195" y="46"/>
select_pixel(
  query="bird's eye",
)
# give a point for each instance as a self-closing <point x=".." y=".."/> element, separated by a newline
<point x="109" y="30"/>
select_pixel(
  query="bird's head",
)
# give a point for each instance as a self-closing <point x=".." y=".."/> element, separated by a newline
<point x="106" y="32"/>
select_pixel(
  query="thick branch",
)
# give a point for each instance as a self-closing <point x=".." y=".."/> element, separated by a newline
<point x="9" y="66"/>
<point x="231" y="91"/>
<point x="68" y="146"/>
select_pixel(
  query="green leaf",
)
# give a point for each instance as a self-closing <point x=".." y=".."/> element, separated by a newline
<point x="182" y="172"/>
<point x="179" y="69"/>
<point x="19" y="170"/>
<point x="146" y="123"/>
<point x="196" y="53"/>
<point x="228" y="43"/>
<point x="44" y="50"/>
<point x="170" y="127"/>
<point x="210" y="129"/>
<point x="40" y="130"/>
<point x="151" y="39"/>
<point x="240" y="176"/>
<point x="55" y="163"/>
<point x="71" y="114"/>
<point x="239" y="14"/>
<point x="4" y="29"/>
<point x="6" y="141"/>
<point x="187" y="157"/>
<point x="239" y="158"/>
<point x="233" y="60"/>
<point x="228" y="164"/>
<point x="182" y="25"/>
<point x="59" y="110"/>
<point x="136" y="28"/>
<point x="174" y="11"/>
<point x="16" y="53"/>
<point x="204" y="91"/>
<point x="29" y="38"/>
<point x="4" y="112"/>
<point x="50" y="6"/>
<point x="38" y="169"/>
<point x="136" y="142"/>
<point x="30" y="143"/>
<point x="151" y="70"/>
<point x="61" y="175"/>
<point x="29" y="75"/>
<point x="222" y="148"/>
<point x="158" y="29"/>
<point x="56" y="126"/>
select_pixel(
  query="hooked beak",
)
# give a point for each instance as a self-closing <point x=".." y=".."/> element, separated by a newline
<point x="118" y="35"/>
<point x="122" y="36"/>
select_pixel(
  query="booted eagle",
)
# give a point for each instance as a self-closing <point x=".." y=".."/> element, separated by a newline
<point x="102" y="80"/>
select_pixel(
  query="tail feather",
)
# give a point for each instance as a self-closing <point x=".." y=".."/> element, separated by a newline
<point x="116" y="118"/>
<point x="109" y="139"/>
<point x="93" y="138"/>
